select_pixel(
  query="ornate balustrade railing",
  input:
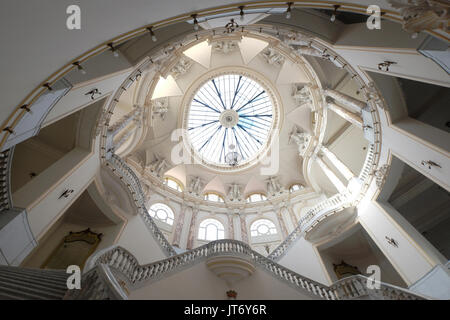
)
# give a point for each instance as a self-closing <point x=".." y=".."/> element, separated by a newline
<point x="356" y="287"/>
<point x="307" y="222"/>
<point x="5" y="183"/>
<point x="100" y="267"/>
<point x="129" y="178"/>
<point x="97" y="284"/>
<point x="327" y="207"/>
<point x="120" y="260"/>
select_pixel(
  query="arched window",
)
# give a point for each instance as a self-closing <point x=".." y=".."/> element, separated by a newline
<point x="210" y="230"/>
<point x="213" y="197"/>
<point x="162" y="212"/>
<point x="256" y="197"/>
<point x="295" y="187"/>
<point x="172" y="183"/>
<point x="262" y="227"/>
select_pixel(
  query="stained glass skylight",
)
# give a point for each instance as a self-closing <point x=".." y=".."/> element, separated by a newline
<point x="229" y="119"/>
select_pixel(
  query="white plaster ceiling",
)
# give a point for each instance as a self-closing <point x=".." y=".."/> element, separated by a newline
<point x="349" y="147"/>
<point x="159" y="141"/>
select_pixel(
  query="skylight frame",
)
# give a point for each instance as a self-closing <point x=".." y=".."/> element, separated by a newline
<point x="230" y="91"/>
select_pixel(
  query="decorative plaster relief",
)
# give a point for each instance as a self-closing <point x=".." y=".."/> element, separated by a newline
<point x="301" y="94"/>
<point x="273" y="57"/>
<point x="225" y="46"/>
<point x="301" y="138"/>
<point x="182" y="66"/>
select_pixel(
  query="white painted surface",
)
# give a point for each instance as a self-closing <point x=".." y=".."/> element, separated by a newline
<point x="137" y="239"/>
<point x="199" y="283"/>
<point x="76" y="99"/>
<point x="434" y="284"/>
<point x="16" y="239"/>
<point x="408" y="259"/>
<point x="303" y="259"/>
<point x="200" y="53"/>
<point x="42" y="202"/>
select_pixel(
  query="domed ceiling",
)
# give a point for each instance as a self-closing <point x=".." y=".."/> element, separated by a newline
<point x="240" y="111"/>
<point x="233" y="97"/>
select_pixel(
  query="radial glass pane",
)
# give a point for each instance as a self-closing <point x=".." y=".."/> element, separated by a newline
<point x="229" y="119"/>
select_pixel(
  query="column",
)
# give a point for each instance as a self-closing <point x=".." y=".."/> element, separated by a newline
<point x="284" y="231"/>
<point x="244" y="235"/>
<point x="192" y="229"/>
<point x="345" y="99"/>
<point x="293" y="217"/>
<point x="179" y="226"/>
<point x="337" y="163"/>
<point x="230" y="225"/>
<point x="330" y="174"/>
<point x="345" y="114"/>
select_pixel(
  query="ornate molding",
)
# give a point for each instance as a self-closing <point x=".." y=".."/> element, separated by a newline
<point x="380" y="175"/>
<point x="301" y="94"/>
<point x="234" y="192"/>
<point x="160" y="107"/>
<point x="196" y="186"/>
<point x="225" y="46"/>
<point x="273" y="57"/>
<point x="302" y="139"/>
<point x="421" y="15"/>
<point x="181" y="67"/>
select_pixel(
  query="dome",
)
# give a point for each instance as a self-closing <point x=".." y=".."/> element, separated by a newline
<point x="266" y="140"/>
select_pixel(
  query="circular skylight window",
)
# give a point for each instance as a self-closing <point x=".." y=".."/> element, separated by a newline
<point x="229" y="120"/>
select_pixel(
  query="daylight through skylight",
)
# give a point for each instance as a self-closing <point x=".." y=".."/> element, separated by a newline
<point x="229" y="119"/>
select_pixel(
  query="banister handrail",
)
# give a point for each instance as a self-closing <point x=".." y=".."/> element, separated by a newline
<point x="356" y="286"/>
<point x="122" y="261"/>
<point x="129" y="178"/>
<point x="333" y="204"/>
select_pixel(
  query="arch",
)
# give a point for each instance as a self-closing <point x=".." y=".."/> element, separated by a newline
<point x="213" y="196"/>
<point x="263" y="227"/>
<point x="173" y="183"/>
<point x="162" y="212"/>
<point x="211" y="229"/>
<point x="256" y="197"/>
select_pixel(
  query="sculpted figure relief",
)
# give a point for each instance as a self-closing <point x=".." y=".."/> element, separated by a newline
<point x="301" y="138"/>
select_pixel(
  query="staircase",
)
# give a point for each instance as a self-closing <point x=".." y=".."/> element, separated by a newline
<point x="32" y="284"/>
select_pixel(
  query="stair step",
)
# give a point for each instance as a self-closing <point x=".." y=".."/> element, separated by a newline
<point x="35" y="284"/>
<point x="43" y="277"/>
<point x="27" y="293"/>
<point x="49" y="282"/>
<point x="57" y="273"/>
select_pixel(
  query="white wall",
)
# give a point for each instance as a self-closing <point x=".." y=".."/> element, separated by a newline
<point x="199" y="283"/>
<point x="304" y="259"/>
<point x="137" y="239"/>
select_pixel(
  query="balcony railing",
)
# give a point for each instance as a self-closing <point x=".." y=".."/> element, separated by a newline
<point x="122" y="261"/>
<point x="327" y="207"/>
<point x="307" y="222"/>
<point x="99" y="283"/>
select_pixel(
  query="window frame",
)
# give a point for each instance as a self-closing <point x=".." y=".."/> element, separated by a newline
<point x="170" y="213"/>
<point x="220" y="229"/>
